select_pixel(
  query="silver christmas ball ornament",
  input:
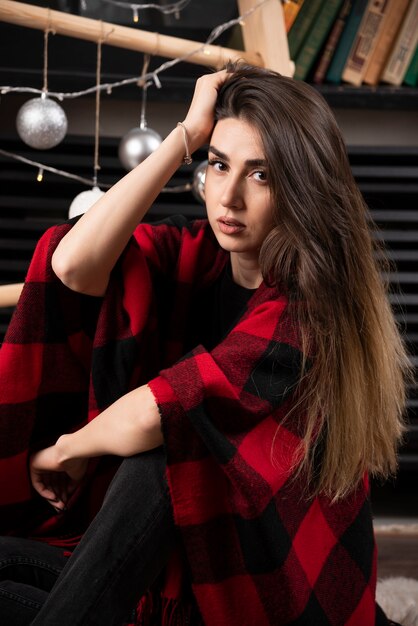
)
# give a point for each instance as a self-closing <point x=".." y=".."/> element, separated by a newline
<point x="41" y="123"/>
<point x="198" y="185"/>
<point x="84" y="201"/>
<point x="137" y="145"/>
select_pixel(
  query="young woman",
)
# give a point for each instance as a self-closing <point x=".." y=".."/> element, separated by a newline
<point x="282" y="388"/>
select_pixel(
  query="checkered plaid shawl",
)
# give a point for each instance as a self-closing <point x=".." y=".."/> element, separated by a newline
<point x="259" y="553"/>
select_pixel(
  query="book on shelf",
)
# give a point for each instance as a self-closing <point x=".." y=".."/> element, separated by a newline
<point x="411" y="76"/>
<point x="346" y="40"/>
<point x="302" y="24"/>
<point x="365" y="42"/>
<point x="332" y="41"/>
<point x="390" y="27"/>
<point x="404" y="47"/>
<point x="316" y="37"/>
<point x="290" y="10"/>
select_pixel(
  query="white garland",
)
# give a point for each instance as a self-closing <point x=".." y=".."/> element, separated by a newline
<point x="108" y="87"/>
<point x="150" y="76"/>
<point x="87" y="181"/>
<point x="167" y="9"/>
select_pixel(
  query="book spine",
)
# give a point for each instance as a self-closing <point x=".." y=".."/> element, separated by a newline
<point x="290" y="10"/>
<point x="302" y="25"/>
<point x="316" y="37"/>
<point x="391" y="24"/>
<point x="365" y="42"/>
<point x="346" y="40"/>
<point x="404" y="48"/>
<point x="411" y="76"/>
<point x="332" y="42"/>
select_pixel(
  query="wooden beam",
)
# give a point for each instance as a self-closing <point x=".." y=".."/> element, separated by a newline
<point x="264" y="33"/>
<point x="88" y="29"/>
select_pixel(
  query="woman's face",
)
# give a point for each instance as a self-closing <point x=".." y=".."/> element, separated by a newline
<point x="237" y="193"/>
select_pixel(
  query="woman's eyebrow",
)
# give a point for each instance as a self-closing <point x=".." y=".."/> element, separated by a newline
<point x="218" y="153"/>
<point x="249" y="162"/>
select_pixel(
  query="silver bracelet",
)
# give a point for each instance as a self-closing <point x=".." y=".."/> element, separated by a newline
<point x="187" y="158"/>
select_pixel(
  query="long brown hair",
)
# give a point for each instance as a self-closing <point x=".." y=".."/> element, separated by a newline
<point x="322" y="251"/>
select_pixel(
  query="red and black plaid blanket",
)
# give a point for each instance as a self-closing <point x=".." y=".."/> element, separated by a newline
<point x="259" y="553"/>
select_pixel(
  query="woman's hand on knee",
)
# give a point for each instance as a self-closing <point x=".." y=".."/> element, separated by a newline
<point x="54" y="477"/>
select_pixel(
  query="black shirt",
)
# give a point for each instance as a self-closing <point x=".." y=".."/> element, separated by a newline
<point x="217" y="310"/>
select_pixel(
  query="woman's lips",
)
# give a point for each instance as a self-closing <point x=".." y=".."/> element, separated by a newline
<point x="229" y="226"/>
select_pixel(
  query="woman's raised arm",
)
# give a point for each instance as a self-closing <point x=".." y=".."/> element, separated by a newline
<point x="87" y="254"/>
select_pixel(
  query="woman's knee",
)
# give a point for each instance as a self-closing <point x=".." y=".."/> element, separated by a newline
<point x="140" y="478"/>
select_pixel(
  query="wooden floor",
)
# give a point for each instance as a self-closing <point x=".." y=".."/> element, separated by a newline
<point x="395" y="504"/>
<point x="397" y="555"/>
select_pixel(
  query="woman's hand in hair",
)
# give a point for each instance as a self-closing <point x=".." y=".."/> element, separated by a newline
<point x="200" y="118"/>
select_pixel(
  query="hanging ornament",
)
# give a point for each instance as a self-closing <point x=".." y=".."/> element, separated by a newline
<point x="139" y="142"/>
<point x="84" y="201"/>
<point x="41" y="123"/>
<point x="198" y="185"/>
<point x="137" y="145"/>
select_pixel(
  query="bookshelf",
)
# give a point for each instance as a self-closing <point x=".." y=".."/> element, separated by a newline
<point x="345" y="45"/>
<point x="382" y="97"/>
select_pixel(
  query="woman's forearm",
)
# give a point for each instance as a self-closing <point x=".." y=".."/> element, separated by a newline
<point x="129" y="426"/>
<point x="85" y="257"/>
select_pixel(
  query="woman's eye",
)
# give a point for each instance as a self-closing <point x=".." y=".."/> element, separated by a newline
<point x="260" y="176"/>
<point x="218" y="166"/>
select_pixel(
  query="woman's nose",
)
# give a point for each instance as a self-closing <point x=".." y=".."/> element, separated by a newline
<point x="232" y="193"/>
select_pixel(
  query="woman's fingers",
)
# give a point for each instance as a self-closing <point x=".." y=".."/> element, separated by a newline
<point x="53" y="480"/>
<point x="43" y="483"/>
<point x="60" y="482"/>
<point x="56" y="487"/>
<point x="200" y="118"/>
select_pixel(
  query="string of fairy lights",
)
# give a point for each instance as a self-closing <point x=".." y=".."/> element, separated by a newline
<point x="152" y="76"/>
<point x="42" y="123"/>
<point x="167" y="9"/>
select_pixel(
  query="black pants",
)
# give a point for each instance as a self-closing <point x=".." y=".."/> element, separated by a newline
<point x="120" y="555"/>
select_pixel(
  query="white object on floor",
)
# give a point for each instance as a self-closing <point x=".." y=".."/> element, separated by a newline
<point x="398" y="597"/>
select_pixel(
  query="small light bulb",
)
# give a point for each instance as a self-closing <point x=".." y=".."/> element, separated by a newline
<point x="206" y="51"/>
<point x="136" y="17"/>
<point x="242" y="22"/>
<point x="40" y="176"/>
